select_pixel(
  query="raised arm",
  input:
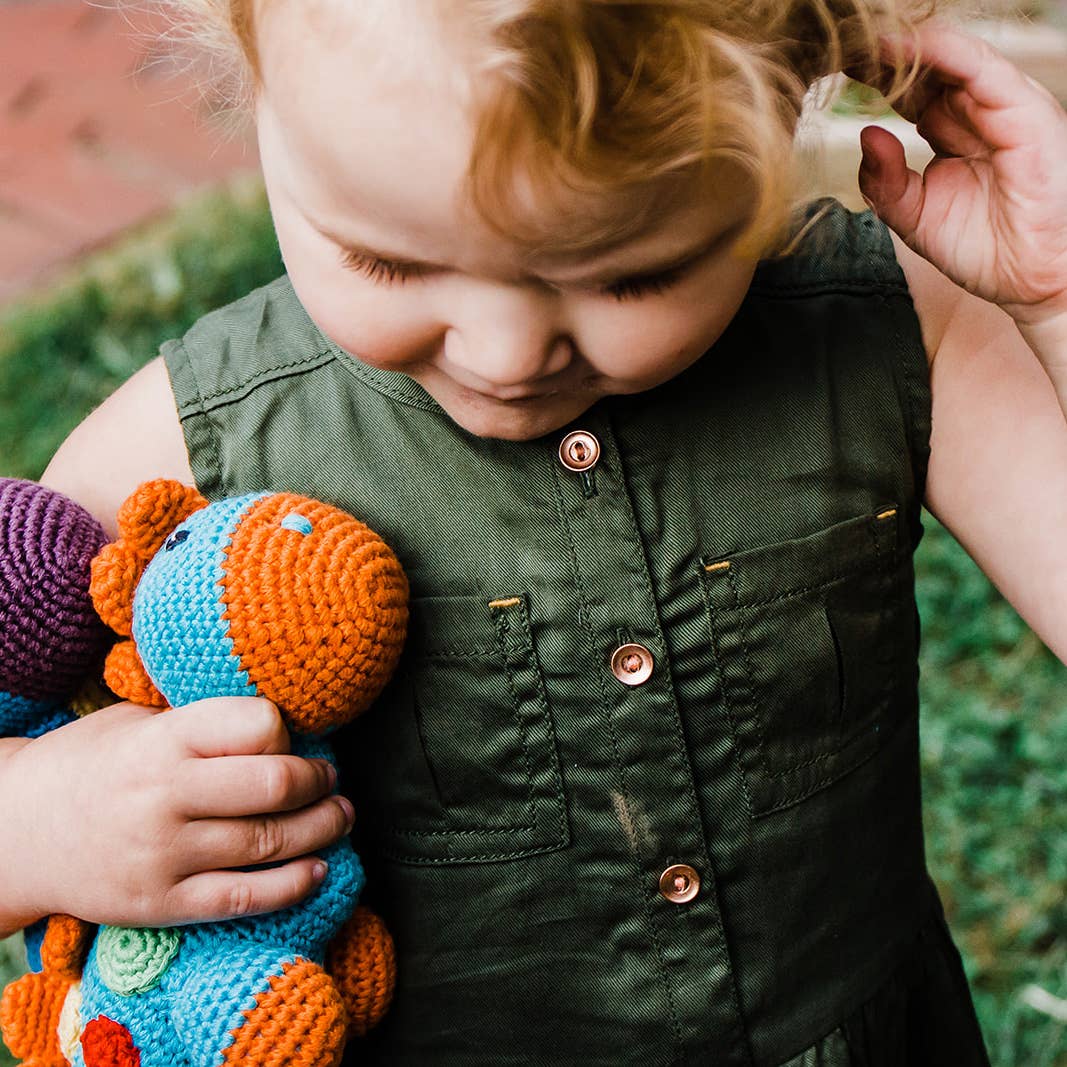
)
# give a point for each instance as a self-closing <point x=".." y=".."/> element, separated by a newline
<point x="998" y="450"/>
<point x="990" y="213"/>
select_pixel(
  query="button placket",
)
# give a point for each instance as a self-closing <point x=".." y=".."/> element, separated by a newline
<point x="640" y="728"/>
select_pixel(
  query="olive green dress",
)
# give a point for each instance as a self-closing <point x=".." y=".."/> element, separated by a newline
<point x="645" y="788"/>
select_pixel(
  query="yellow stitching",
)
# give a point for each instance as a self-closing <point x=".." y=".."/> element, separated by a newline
<point x="887" y="514"/>
<point x="505" y="603"/>
<point x="721" y="566"/>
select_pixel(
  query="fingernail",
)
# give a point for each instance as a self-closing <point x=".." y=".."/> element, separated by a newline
<point x="318" y="872"/>
<point x="332" y="772"/>
<point x="350" y="812"/>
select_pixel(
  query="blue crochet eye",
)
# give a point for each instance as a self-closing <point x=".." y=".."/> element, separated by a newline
<point x="299" y="523"/>
<point x="175" y="539"/>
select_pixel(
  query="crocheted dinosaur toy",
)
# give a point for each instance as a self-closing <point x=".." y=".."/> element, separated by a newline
<point x="272" y="595"/>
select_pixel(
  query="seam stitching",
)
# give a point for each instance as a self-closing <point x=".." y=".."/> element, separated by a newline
<point x="624" y="788"/>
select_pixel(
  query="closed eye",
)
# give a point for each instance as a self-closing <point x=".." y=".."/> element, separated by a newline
<point x="380" y="270"/>
<point x="388" y="272"/>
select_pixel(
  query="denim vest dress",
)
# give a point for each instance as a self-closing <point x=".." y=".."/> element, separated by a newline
<point x="645" y="786"/>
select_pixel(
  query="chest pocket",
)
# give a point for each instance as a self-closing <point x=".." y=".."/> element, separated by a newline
<point x="459" y="755"/>
<point x="815" y="644"/>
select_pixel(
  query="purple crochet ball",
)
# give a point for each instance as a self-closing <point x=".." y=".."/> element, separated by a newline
<point x="50" y="635"/>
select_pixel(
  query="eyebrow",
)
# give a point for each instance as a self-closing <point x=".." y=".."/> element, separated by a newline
<point x="676" y="262"/>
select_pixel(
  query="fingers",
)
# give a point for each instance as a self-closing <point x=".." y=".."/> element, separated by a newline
<point x="959" y="58"/>
<point x="215" y="896"/>
<point x="230" y="726"/>
<point x="946" y="126"/>
<point x="895" y="192"/>
<point x="220" y="843"/>
<point x="231" y="786"/>
<point x="967" y="80"/>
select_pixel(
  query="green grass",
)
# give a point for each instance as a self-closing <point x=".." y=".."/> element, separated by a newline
<point x="62" y="354"/>
<point x="994" y="704"/>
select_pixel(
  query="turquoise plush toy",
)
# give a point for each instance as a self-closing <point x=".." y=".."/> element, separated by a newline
<point x="272" y="595"/>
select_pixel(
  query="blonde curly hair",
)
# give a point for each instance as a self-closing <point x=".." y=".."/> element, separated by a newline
<point x="602" y="96"/>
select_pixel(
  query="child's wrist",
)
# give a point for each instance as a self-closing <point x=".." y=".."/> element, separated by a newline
<point x="1048" y="341"/>
<point x="16" y="912"/>
<point x="1043" y="327"/>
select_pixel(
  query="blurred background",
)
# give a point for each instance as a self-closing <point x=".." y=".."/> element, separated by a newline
<point x="126" y="214"/>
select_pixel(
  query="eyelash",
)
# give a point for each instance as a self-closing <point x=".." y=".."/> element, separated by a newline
<point x="383" y="270"/>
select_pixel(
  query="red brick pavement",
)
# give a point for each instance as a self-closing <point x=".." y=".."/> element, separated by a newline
<point x="92" y="138"/>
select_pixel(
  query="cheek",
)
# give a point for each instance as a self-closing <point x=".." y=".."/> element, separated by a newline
<point x="381" y="330"/>
<point x="645" y="342"/>
<point x="383" y="326"/>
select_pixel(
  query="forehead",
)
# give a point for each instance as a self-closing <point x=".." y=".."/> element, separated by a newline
<point x="371" y="104"/>
<point x="398" y="39"/>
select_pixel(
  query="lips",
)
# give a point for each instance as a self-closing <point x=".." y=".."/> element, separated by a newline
<point x="510" y="397"/>
<point x="514" y="399"/>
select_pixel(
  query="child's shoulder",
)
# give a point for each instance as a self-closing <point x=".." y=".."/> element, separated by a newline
<point x="833" y="248"/>
<point x="828" y="246"/>
<point x="135" y="435"/>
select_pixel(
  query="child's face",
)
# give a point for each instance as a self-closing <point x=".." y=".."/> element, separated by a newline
<point x="364" y="143"/>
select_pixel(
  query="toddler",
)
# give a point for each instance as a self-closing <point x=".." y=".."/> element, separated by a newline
<point x="651" y="442"/>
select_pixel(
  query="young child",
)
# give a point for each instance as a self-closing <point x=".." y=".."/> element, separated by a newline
<point x="645" y="789"/>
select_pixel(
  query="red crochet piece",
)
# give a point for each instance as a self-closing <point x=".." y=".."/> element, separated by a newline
<point x="107" y="1043"/>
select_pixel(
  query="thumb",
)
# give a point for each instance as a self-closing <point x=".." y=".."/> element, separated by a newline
<point x="894" y="192"/>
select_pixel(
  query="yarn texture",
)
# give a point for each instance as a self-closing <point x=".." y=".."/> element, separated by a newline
<point x="270" y="595"/>
<point x="51" y="639"/>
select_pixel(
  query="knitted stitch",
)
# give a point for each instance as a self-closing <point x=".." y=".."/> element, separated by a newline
<point x="51" y="642"/>
<point x="299" y="1020"/>
<point x="69" y="1027"/>
<point x="107" y="1044"/>
<point x="134" y="960"/>
<point x="50" y="637"/>
<point x="281" y="597"/>
<point x="363" y="964"/>
<point x="277" y="596"/>
<point x="30" y="1011"/>
<point x="65" y="946"/>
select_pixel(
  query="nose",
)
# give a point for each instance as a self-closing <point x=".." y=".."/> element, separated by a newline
<point x="508" y="338"/>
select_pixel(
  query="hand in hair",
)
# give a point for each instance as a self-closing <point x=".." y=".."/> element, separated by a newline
<point x="990" y="210"/>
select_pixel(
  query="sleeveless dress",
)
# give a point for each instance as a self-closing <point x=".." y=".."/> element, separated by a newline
<point x="645" y="787"/>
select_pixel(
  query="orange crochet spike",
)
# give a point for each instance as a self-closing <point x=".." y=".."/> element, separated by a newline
<point x="361" y="959"/>
<point x="126" y="677"/>
<point x="66" y="945"/>
<point x="29" y="1018"/>
<point x="300" y="1021"/>
<point x="146" y="519"/>
<point x="115" y="573"/>
<point x="152" y="511"/>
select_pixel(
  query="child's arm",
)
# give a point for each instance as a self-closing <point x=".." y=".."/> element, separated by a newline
<point x="990" y="212"/>
<point x="132" y="816"/>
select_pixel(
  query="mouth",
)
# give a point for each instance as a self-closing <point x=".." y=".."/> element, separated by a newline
<point x="510" y="398"/>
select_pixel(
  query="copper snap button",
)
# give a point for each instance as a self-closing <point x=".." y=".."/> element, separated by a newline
<point x="679" y="883"/>
<point x="579" y="451"/>
<point x="632" y="664"/>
